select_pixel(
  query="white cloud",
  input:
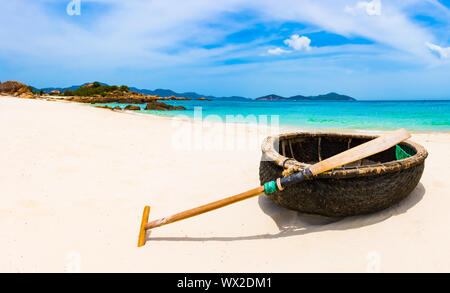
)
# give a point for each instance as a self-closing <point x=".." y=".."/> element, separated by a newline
<point x="277" y="51"/>
<point x="393" y="28"/>
<point x="298" y="43"/>
<point x="158" y="34"/>
<point x="444" y="53"/>
<point x="370" y="8"/>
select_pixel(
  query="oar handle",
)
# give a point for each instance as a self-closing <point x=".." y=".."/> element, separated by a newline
<point x="269" y="187"/>
<point x="204" y="208"/>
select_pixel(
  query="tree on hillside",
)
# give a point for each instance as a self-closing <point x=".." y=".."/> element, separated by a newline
<point x="32" y="89"/>
<point x="124" y="88"/>
<point x="68" y="93"/>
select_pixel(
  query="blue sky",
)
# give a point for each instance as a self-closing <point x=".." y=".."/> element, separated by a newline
<point x="378" y="49"/>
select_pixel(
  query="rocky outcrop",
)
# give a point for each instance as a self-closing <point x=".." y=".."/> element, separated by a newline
<point x="27" y="96"/>
<point x="132" y="108"/>
<point x="154" y="105"/>
<point x="103" y="107"/>
<point x="12" y="87"/>
<point x="177" y="98"/>
<point x="16" y="89"/>
<point x="204" y="99"/>
<point x="118" y="108"/>
<point x="89" y="93"/>
<point x="112" y="99"/>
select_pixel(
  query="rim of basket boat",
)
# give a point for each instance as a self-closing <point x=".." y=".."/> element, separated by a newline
<point x="268" y="149"/>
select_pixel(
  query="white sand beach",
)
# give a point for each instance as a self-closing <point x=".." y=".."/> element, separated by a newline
<point x="74" y="180"/>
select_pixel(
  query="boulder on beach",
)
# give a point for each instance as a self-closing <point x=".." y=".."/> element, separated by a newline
<point x="103" y="107"/>
<point x="11" y="87"/>
<point x="16" y="89"/>
<point x="117" y="108"/>
<point x="28" y="96"/>
<point x="177" y="98"/>
<point x="154" y="105"/>
<point x="132" y="107"/>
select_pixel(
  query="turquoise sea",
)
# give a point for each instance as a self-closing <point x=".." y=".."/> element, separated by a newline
<point x="368" y="115"/>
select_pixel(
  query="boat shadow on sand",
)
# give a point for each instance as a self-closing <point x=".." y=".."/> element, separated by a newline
<point x="292" y="223"/>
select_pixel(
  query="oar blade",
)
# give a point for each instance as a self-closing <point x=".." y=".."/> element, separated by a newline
<point x="361" y="151"/>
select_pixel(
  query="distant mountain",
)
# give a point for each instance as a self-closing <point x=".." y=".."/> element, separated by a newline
<point x="193" y="95"/>
<point x="158" y="92"/>
<point x="271" y="98"/>
<point x="332" y="97"/>
<point x="300" y="98"/>
<point x="71" y="88"/>
<point x="327" y="97"/>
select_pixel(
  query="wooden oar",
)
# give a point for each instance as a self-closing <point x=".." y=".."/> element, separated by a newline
<point x="359" y="152"/>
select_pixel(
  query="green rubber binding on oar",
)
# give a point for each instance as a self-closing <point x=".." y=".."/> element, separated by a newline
<point x="270" y="187"/>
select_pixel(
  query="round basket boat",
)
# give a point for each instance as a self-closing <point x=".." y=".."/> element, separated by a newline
<point x="361" y="187"/>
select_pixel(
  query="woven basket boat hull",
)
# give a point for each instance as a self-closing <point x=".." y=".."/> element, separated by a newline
<point x="363" y="187"/>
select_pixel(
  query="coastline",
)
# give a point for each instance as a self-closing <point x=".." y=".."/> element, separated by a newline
<point x="75" y="180"/>
<point x="222" y="110"/>
<point x="296" y="128"/>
